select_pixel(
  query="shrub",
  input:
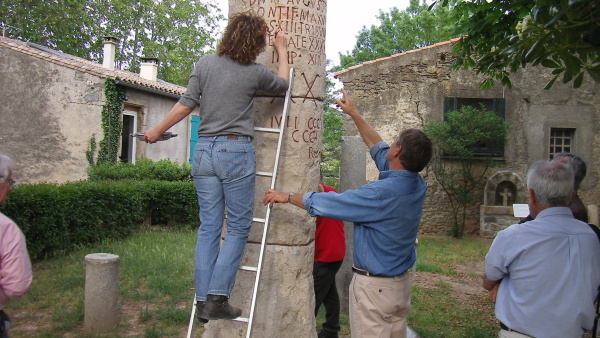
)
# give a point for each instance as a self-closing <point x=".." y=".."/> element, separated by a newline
<point x="56" y="218"/>
<point x="143" y="169"/>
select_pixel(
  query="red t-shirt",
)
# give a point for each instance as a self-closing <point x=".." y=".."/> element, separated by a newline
<point x="330" y="244"/>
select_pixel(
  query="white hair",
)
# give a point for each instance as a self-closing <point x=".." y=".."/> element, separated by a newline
<point x="5" y="167"/>
<point x="552" y="182"/>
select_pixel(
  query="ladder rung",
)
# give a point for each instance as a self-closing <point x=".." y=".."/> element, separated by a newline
<point x="258" y="220"/>
<point x="248" y="268"/>
<point x="241" y="319"/>
<point x="264" y="173"/>
<point x="268" y="130"/>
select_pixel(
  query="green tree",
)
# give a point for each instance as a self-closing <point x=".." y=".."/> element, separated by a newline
<point x="399" y="31"/>
<point x="455" y="164"/>
<point x="331" y="149"/>
<point x="175" y="31"/>
<point x="501" y="37"/>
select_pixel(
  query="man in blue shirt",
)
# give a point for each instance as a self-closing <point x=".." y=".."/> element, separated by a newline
<point x="386" y="215"/>
<point x="544" y="274"/>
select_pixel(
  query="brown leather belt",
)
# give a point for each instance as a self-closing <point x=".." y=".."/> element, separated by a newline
<point x="368" y="274"/>
<point x="232" y="137"/>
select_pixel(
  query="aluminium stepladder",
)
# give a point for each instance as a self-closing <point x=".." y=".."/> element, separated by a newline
<point x="265" y="221"/>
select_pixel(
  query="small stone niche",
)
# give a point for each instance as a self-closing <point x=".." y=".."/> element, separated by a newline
<point x="502" y="190"/>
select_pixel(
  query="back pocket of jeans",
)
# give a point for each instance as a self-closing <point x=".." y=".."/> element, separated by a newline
<point x="199" y="152"/>
<point x="234" y="163"/>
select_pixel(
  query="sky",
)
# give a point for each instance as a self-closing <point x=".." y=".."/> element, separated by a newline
<point x="345" y="18"/>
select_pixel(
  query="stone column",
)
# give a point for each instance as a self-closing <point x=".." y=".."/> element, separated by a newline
<point x="101" y="312"/>
<point x="353" y="174"/>
<point x="285" y="299"/>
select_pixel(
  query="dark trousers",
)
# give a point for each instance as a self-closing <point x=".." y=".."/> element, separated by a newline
<point x="326" y="294"/>
<point x="4" y="324"/>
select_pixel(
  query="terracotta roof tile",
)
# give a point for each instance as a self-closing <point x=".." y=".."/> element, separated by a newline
<point x="86" y="66"/>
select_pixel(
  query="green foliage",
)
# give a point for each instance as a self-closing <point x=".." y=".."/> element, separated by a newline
<point x="331" y="149"/>
<point x="175" y="31"/>
<point x="169" y="202"/>
<point x="156" y="268"/>
<point x="57" y="218"/>
<point x="502" y="37"/>
<point x="455" y="165"/>
<point x="111" y="122"/>
<point x="399" y="31"/>
<point x="91" y="150"/>
<point x="143" y="169"/>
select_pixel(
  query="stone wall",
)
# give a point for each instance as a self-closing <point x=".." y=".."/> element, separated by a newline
<point x="49" y="113"/>
<point x="403" y="90"/>
<point x="47" y="117"/>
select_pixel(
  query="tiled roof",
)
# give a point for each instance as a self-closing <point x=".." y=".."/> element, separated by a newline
<point x="86" y="66"/>
<point x="394" y="56"/>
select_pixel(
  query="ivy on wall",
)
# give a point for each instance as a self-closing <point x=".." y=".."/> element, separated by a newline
<point x="89" y="153"/>
<point x="111" y="122"/>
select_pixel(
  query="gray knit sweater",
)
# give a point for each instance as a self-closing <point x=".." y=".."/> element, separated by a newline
<point x="225" y="90"/>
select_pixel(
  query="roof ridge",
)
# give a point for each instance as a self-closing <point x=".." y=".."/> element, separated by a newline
<point x="395" y="55"/>
<point x="87" y="66"/>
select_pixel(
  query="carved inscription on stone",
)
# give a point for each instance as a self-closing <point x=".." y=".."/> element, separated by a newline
<point x="304" y="23"/>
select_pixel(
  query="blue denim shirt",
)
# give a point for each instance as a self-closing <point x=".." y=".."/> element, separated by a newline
<point x="386" y="215"/>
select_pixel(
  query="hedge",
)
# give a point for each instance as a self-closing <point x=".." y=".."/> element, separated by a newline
<point x="143" y="169"/>
<point x="56" y="218"/>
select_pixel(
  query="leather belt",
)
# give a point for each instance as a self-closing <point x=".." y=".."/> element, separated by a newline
<point x="506" y="328"/>
<point x="232" y="137"/>
<point x="368" y="274"/>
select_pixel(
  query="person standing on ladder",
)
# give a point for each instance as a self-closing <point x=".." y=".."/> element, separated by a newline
<point x="224" y="85"/>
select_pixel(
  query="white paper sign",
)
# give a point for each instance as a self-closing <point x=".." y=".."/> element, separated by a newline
<point x="521" y="210"/>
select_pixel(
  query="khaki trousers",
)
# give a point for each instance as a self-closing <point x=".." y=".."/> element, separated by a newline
<point x="379" y="306"/>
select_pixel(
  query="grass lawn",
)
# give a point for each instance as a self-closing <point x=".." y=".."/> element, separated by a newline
<point x="155" y="289"/>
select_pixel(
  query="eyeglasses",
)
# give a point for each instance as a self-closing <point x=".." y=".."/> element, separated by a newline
<point x="12" y="183"/>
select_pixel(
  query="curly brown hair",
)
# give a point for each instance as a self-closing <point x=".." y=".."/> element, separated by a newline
<point x="245" y="37"/>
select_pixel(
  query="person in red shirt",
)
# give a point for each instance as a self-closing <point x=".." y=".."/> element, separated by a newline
<point x="330" y="249"/>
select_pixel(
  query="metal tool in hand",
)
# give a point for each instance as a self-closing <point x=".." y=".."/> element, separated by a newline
<point x="163" y="137"/>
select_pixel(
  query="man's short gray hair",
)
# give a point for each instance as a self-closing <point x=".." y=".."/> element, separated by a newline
<point x="552" y="183"/>
<point x="5" y="167"/>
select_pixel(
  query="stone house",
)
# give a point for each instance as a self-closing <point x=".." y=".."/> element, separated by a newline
<point x="403" y="90"/>
<point x="51" y="109"/>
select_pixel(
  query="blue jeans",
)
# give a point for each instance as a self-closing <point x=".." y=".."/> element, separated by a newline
<point x="224" y="171"/>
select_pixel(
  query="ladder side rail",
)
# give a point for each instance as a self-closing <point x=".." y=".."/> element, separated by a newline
<point x="190" y="332"/>
<point x="286" y="106"/>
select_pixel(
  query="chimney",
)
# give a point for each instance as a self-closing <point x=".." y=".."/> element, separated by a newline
<point x="149" y="68"/>
<point x="110" y="46"/>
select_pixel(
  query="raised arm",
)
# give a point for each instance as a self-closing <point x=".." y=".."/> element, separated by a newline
<point x="283" y="70"/>
<point x="368" y="134"/>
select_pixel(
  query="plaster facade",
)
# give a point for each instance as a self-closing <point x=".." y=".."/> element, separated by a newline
<point x="51" y="108"/>
<point x="403" y="90"/>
